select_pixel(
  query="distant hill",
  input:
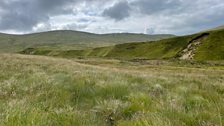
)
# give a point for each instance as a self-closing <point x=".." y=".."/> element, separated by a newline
<point x="70" y="40"/>
<point x="202" y="46"/>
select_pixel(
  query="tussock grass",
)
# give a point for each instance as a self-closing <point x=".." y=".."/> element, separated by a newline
<point x="38" y="91"/>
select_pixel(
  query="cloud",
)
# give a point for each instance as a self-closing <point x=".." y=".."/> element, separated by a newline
<point x="118" y="11"/>
<point x="106" y="16"/>
<point x="75" y="26"/>
<point x="25" y="14"/>
<point x="155" y="6"/>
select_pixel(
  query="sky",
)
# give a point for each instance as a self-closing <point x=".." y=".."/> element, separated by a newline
<point x="178" y="17"/>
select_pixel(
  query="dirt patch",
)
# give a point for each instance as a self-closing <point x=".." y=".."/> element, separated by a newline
<point x="189" y="52"/>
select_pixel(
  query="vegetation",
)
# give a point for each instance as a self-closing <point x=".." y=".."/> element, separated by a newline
<point x="121" y="84"/>
<point x="211" y="47"/>
<point x="36" y="90"/>
<point x="69" y="40"/>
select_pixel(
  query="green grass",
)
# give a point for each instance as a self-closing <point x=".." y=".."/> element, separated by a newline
<point x="151" y="50"/>
<point x="36" y="90"/>
<point x="69" y="40"/>
<point x="212" y="48"/>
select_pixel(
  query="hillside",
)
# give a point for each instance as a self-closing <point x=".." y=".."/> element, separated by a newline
<point x="68" y="40"/>
<point x="201" y="46"/>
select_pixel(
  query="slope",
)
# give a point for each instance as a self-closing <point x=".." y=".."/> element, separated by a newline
<point x="68" y="40"/>
<point x="201" y="46"/>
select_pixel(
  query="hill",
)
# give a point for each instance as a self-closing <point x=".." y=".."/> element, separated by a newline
<point x="68" y="40"/>
<point x="202" y="46"/>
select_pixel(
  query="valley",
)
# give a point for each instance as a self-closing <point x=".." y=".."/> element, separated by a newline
<point x="176" y="81"/>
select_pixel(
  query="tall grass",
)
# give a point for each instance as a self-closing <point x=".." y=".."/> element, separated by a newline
<point x="51" y="91"/>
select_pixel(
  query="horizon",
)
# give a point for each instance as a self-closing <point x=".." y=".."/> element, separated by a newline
<point x="80" y="32"/>
<point x="175" y="17"/>
<point x="37" y="32"/>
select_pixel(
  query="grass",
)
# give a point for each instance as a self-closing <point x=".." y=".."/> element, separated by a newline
<point x="69" y="40"/>
<point x="36" y="90"/>
<point x="211" y="48"/>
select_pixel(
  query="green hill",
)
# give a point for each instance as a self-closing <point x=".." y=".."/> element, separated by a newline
<point x="69" y="40"/>
<point x="201" y="46"/>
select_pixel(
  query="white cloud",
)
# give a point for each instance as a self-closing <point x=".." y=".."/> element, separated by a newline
<point x="164" y="16"/>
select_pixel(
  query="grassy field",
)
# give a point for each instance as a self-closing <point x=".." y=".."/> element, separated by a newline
<point x="208" y="46"/>
<point x="70" y="40"/>
<point x="40" y="91"/>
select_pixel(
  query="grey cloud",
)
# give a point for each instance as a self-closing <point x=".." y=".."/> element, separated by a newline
<point x="181" y="17"/>
<point x="118" y="11"/>
<point x="85" y="20"/>
<point x="164" y="15"/>
<point x="197" y="16"/>
<point x="123" y="9"/>
<point x="75" y="26"/>
<point x="154" y="6"/>
<point x="23" y="15"/>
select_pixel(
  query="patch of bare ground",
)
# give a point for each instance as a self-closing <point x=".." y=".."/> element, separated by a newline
<point x="189" y="52"/>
